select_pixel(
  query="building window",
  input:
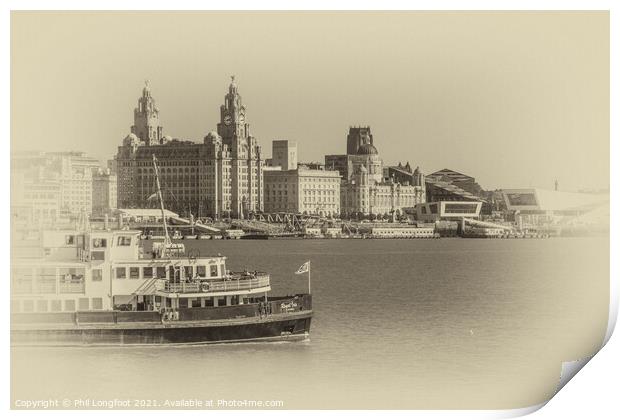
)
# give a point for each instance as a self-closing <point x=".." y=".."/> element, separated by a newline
<point x="28" y="306"/>
<point x="42" y="306"/>
<point x="83" y="304"/>
<point x="70" y="305"/>
<point x="97" y="303"/>
<point x="97" y="255"/>
<point x="121" y="272"/>
<point x="70" y="240"/>
<point x="56" y="305"/>
<point x="96" y="274"/>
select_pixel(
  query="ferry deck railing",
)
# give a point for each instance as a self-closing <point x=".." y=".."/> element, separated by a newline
<point x="208" y="286"/>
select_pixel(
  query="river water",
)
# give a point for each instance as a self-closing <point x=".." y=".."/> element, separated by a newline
<point x="420" y="324"/>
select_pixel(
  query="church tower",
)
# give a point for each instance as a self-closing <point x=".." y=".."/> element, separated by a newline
<point x="146" y="119"/>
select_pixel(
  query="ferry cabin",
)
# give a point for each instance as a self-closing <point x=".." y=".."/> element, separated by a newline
<point x="108" y="270"/>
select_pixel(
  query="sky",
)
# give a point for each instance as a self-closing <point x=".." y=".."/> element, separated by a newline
<point x="515" y="99"/>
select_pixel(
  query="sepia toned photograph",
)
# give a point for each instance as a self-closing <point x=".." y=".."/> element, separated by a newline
<point x="303" y="210"/>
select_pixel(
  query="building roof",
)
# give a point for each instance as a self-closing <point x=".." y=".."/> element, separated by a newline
<point x="453" y="175"/>
<point x="367" y="149"/>
<point x="448" y="186"/>
<point x="550" y="200"/>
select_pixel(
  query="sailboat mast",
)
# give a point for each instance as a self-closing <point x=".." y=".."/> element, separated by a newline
<point x="161" y="203"/>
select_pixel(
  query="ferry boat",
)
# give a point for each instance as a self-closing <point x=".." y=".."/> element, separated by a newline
<point x="99" y="287"/>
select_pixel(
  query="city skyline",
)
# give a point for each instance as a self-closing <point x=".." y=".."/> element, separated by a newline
<point x="437" y="119"/>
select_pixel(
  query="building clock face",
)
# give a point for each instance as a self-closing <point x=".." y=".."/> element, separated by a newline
<point x="227" y="119"/>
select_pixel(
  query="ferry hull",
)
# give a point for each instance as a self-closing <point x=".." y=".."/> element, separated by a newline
<point x="273" y="328"/>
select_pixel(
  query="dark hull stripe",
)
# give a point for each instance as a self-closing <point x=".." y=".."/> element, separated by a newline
<point x="279" y="329"/>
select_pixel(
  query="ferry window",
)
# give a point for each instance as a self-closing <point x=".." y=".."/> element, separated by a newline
<point x="70" y="305"/>
<point x="97" y="255"/>
<point x="69" y="240"/>
<point x="201" y="271"/>
<point x="83" y="304"/>
<point x="208" y="301"/>
<point x="96" y="274"/>
<point x="189" y="272"/>
<point x="100" y="242"/>
<point x="213" y="270"/>
<point x="161" y="272"/>
<point x="27" y="306"/>
<point x="56" y="305"/>
<point x="147" y="272"/>
<point x="97" y="303"/>
<point x="42" y="306"/>
<point x="123" y="241"/>
<point x="121" y="272"/>
<point x="134" y="272"/>
<point x="221" y="301"/>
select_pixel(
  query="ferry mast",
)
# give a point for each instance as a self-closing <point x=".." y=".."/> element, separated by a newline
<point x="167" y="240"/>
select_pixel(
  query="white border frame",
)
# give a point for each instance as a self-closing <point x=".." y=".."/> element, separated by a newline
<point x="596" y="381"/>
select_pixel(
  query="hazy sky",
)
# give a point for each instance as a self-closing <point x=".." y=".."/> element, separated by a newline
<point x="514" y="99"/>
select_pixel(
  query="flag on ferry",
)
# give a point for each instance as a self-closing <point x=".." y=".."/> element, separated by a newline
<point x="304" y="268"/>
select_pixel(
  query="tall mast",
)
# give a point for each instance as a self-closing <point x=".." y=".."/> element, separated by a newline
<point x="167" y="240"/>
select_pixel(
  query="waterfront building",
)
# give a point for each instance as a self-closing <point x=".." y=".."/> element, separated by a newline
<point x="432" y="212"/>
<point x="34" y="199"/>
<point x="449" y="185"/>
<point x="538" y="207"/>
<point x="465" y="182"/>
<point x="104" y="192"/>
<point x="303" y="190"/>
<point x="53" y="184"/>
<point x="220" y="177"/>
<point x="369" y="188"/>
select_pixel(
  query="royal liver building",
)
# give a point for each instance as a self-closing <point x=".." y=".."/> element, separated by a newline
<point x="220" y="177"/>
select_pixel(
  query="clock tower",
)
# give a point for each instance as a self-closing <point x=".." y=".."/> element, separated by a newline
<point x="146" y="119"/>
<point x="246" y="164"/>
<point x="232" y="126"/>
